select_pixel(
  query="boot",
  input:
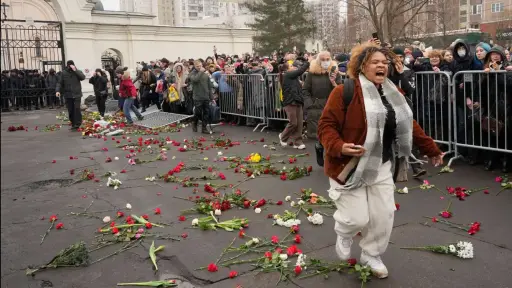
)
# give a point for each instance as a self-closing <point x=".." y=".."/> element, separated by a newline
<point x="417" y="170"/>
<point x="504" y="164"/>
<point x="194" y="125"/>
<point x="489" y="166"/>
<point x="204" y="130"/>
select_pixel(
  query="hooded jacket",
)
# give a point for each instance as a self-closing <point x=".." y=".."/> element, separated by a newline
<point x="126" y="88"/>
<point x="292" y="89"/>
<point x="69" y="84"/>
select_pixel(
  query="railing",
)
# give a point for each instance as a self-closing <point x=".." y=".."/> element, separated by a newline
<point x="439" y="105"/>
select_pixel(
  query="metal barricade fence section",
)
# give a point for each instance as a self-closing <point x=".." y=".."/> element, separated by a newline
<point x="243" y="95"/>
<point x="482" y="112"/>
<point x="432" y="105"/>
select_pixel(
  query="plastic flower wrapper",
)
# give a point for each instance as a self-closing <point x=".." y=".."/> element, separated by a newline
<point x="461" y="249"/>
<point x="73" y="256"/>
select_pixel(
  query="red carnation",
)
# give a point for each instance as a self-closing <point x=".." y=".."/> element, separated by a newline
<point x="268" y="255"/>
<point x="182" y="218"/>
<point x="212" y="267"/>
<point x="157" y="210"/>
<point x="352" y="261"/>
<point x="241" y="233"/>
<point x="260" y="203"/>
<point x="298" y="239"/>
<point x="279" y="203"/>
<point x="298" y="270"/>
<point x="53" y="218"/>
<point x="397" y="206"/>
<point x="145" y="216"/>
<point x="149" y="225"/>
<point x="291" y="250"/>
<point x="233" y="274"/>
<point x="115" y="230"/>
<point x="283" y="177"/>
<point x="274" y="239"/>
<point x="295" y="229"/>
<point x="59" y="226"/>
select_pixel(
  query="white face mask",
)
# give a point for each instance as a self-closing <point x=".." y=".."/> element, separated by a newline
<point x="325" y="64"/>
<point x="461" y="52"/>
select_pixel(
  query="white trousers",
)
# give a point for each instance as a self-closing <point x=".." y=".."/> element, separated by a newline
<point x="369" y="210"/>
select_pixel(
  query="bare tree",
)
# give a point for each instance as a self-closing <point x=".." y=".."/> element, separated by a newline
<point x="390" y="17"/>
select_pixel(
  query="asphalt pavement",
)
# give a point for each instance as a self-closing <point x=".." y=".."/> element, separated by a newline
<point x="33" y="188"/>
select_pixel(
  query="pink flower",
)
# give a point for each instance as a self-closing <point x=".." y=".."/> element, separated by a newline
<point x="486" y="191"/>
<point x="140" y="230"/>
<point x="131" y="162"/>
<point x="446" y="214"/>
<point x="498" y="179"/>
<point x="137" y="236"/>
<point x="426" y="182"/>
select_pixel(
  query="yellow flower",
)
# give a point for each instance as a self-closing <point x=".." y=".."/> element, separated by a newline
<point x="255" y="157"/>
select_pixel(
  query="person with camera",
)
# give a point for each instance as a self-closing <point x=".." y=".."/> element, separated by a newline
<point x="293" y="100"/>
<point x="202" y="95"/>
<point x="70" y="87"/>
<point x="99" y="82"/>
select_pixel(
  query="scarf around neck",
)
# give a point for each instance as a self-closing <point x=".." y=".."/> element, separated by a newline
<point x="368" y="166"/>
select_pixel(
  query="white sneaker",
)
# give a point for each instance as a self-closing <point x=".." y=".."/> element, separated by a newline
<point x="284" y="144"/>
<point x="378" y="268"/>
<point x="300" y="147"/>
<point x="343" y="246"/>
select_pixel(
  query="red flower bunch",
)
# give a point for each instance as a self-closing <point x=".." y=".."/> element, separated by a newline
<point x="292" y="250"/>
<point x="176" y="169"/>
<point x="475" y="227"/>
<point x="129" y="220"/>
<point x="260" y="203"/>
<point x="11" y="129"/>
<point x="208" y="188"/>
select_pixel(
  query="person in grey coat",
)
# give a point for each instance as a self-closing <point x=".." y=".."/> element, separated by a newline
<point x="321" y="79"/>
<point x="70" y="87"/>
<point x="201" y="91"/>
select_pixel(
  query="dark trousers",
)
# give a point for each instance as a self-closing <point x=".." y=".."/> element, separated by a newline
<point x="75" y="114"/>
<point x="201" y="111"/>
<point x="100" y="102"/>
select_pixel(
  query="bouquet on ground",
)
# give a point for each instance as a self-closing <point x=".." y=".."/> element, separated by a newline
<point x="112" y="182"/>
<point x="74" y="256"/>
<point x="288" y="219"/>
<point x="211" y="223"/>
<point x="461" y="249"/>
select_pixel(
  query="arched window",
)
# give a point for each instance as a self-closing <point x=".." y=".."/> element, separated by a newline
<point x="38" y="46"/>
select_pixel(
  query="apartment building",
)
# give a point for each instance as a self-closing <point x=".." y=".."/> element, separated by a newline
<point x="166" y="12"/>
<point x="327" y="16"/>
<point x="138" y="6"/>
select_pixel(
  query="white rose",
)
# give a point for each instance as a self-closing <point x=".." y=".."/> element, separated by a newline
<point x="288" y="198"/>
<point x="300" y="202"/>
<point x="218" y="212"/>
<point x="219" y="153"/>
<point x="128" y="206"/>
<point x="292" y="203"/>
<point x="116" y="158"/>
<point x="106" y="219"/>
<point x="195" y="222"/>
<point x="257" y="210"/>
<point x="283" y="256"/>
<point x="405" y="190"/>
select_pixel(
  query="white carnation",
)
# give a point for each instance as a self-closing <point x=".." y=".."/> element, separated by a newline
<point x="283" y="257"/>
<point x="316" y="219"/>
<point x="106" y="219"/>
<point x="116" y="158"/>
<point x="184" y="146"/>
<point x="301" y="202"/>
<point x="452" y="248"/>
<point x="288" y="198"/>
<point x="292" y="203"/>
<point x="255" y="240"/>
<point x="195" y="222"/>
<point x="218" y="212"/>
<point x="128" y="206"/>
<point x="257" y="210"/>
<point x="219" y="153"/>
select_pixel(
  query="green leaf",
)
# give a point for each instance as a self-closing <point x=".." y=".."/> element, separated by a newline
<point x="152" y="255"/>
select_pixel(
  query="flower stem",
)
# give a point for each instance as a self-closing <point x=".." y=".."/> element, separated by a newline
<point x="502" y="189"/>
<point x="443" y="192"/>
<point x="224" y="251"/>
<point x="449" y="206"/>
<point x="242" y="261"/>
<point x="126" y="247"/>
<point x="46" y="233"/>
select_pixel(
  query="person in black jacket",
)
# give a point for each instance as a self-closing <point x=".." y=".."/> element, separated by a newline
<point x="99" y="81"/>
<point x="70" y="87"/>
<point x="293" y="101"/>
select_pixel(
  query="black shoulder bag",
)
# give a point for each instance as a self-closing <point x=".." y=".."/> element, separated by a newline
<point x="348" y="94"/>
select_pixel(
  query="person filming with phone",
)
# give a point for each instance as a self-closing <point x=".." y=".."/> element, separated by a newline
<point x="70" y="87"/>
<point x="368" y="136"/>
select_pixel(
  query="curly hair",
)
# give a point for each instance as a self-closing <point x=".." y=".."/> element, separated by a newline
<point x="361" y="54"/>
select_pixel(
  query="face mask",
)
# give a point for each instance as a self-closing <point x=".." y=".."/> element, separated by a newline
<point x="325" y="64"/>
<point x="461" y="52"/>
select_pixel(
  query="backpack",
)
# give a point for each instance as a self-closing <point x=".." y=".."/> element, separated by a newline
<point x="348" y="94"/>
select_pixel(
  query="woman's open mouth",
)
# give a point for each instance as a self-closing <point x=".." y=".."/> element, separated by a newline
<point x="380" y="73"/>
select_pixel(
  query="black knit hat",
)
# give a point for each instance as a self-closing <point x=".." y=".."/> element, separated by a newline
<point x="70" y="62"/>
<point x="398" y="51"/>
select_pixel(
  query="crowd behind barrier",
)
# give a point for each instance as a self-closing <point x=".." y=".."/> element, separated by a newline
<point x="440" y="105"/>
<point x="470" y="110"/>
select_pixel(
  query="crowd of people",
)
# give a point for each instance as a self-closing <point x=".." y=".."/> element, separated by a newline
<point x="299" y="84"/>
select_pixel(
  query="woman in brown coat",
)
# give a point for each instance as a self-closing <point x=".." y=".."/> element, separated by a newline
<point x="361" y="141"/>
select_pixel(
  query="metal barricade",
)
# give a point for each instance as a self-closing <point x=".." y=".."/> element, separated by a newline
<point x="432" y="106"/>
<point x="243" y="95"/>
<point x="482" y="111"/>
<point x="274" y="109"/>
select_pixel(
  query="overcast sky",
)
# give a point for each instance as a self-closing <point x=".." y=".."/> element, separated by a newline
<point x="112" y="5"/>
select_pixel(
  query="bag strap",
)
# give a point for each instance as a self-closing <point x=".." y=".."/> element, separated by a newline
<point x="348" y="92"/>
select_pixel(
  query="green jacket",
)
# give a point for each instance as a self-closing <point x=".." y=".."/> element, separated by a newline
<point x="69" y="84"/>
<point x="201" y="85"/>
